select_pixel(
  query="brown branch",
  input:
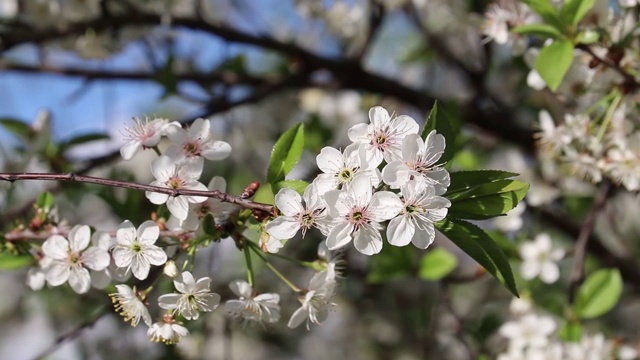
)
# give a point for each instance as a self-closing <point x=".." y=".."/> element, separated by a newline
<point x="577" y="270"/>
<point x="11" y="177"/>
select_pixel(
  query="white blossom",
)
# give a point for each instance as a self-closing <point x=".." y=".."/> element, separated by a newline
<point x="176" y="175"/>
<point x="167" y="331"/>
<point x="539" y="259"/>
<point x="196" y="143"/>
<point x="250" y="307"/>
<point x="528" y="331"/>
<point x="340" y="168"/>
<point x="298" y="212"/>
<point x="129" y="305"/>
<point x="136" y="249"/>
<point x="357" y="213"/>
<point x="145" y="133"/>
<point x="69" y="261"/>
<point x="421" y="209"/>
<point x="382" y="137"/>
<point x="317" y="299"/>
<point x="195" y="297"/>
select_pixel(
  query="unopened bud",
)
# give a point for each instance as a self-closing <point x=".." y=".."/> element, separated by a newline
<point x="250" y="190"/>
<point x="170" y="269"/>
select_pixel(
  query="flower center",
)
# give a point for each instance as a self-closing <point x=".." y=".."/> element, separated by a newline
<point x="136" y="247"/>
<point x="192" y="148"/>
<point x="380" y="140"/>
<point x="345" y="175"/>
<point x="358" y="216"/>
<point x="175" y="182"/>
<point x="74" y="259"/>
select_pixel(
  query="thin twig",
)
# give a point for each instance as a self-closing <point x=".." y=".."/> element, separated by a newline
<point x="577" y="270"/>
<point x="11" y="177"/>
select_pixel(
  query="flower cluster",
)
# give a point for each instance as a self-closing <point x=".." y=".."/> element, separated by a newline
<point x="351" y="200"/>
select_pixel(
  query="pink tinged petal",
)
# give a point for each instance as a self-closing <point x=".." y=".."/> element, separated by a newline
<point x="289" y="202"/>
<point x="96" y="258"/>
<point x="58" y="273"/>
<point x="379" y="117"/>
<point x="79" y="238"/>
<point x="400" y="231"/>
<point x="80" y="280"/>
<point x="156" y="198"/>
<point x="359" y="133"/>
<point x="218" y="151"/>
<point x="56" y="247"/>
<point x="549" y="272"/>
<point x="283" y="227"/>
<point x="367" y="240"/>
<point x="155" y="255"/>
<point x="298" y="317"/>
<point x="186" y="284"/>
<point x="339" y="236"/>
<point x="148" y="232"/>
<point x="169" y="301"/>
<point x="126" y="233"/>
<point x="130" y="149"/>
<point x="122" y="256"/>
<point x="330" y="160"/>
<point x="178" y="207"/>
<point x="385" y="205"/>
<point x="140" y="267"/>
<point x="240" y="288"/>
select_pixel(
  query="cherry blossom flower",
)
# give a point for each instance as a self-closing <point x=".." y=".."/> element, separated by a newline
<point x="145" y="133"/>
<point x="69" y="261"/>
<point x="250" y="307"/>
<point x="340" y="168"/>
<point x="418" y="162"/>
<point x="196" y="143"/>
<point x="173" y="175"/>
<point x="136" y="249"/>
<point x="382" y="137"/>
<point x="167" y="331"/>
<point x="317" y="299"/>
<point x="130" y="306"/>
<point x="422" y="208"/>
<point x="539" y="259"/>
<point x="195" y="297"/>
<point x="298" y="212"/>
<point x="528" y="331"/>
<point x="357" y="214"/>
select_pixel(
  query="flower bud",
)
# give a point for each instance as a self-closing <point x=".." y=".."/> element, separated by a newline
<point x="170" y="269"/>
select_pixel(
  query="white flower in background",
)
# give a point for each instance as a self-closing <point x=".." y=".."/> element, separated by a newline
<point x="298" y="212"/>
<point x="167" y="331"/>
<point x="317" y="300"/>
<point x="582" y="164"/>
<point x="136" y="249"/>
<point x="130" y="306"/>
<point x="357" y="213"/>
<point x="69" y="261"/>
<point x="37" y="276"/>
<point x="145" y="134"/>
<point x="539" y="259"/>
<point x="382" y="137"/>
<point x="418" y="163"/>
<point x="340" y="168"/>
<point x="528" y="331"/>
<point x="196" y="143"/>
<point x="173" y="175"/>
<point x="501" y="17"/>
<point x="220" y="210"/>
<point x="258" y="308"/>
<point x="627" y="3"/>
<point x="520" y="306"/>
<point x="196" y="296"/>
<point x="421" y="209"/>
<point x="553" y="138"/>
<point x="623" y="163"/>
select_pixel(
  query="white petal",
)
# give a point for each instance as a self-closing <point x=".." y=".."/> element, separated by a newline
<point x="178" y="207"/>
<point x="162" y="168"/>
<point x="122" y="256"/>
<point x="298" y="317"/>
<point x="79" y="238"/>
<point x="126" y="233"/>
<point x="529" y="269"/>
<point x="186" y="284"/>
<point x="400" y="231"/>
<point x="289" y="202"/>
<point x="329" y="160"/>
<point x="549" y="273"/>
<point x="155" y="255"/>
<point x="130" y="149"/>
<point x="359" y="133"/>
<point x="96" y="258"/>
<point x="218" y="151"/>
<point x="241" y="288"/>
<point x="422" y="238"/>
<point x="367" y="240"/>
<point x="379" y="117"/>
<point x="148" y="232"/>
<point x="80" y="280"/>
<point x="360" y="190"/>
<point x="169" y="301"/>
<point x="56" y="247"/>
<point x="283" y="227"/>
<point x="339" y="236"/>
<point x="217" y="183"/>
<point x="385" y="205"/>
<point x="58" y="273"/>
<point x="140" y="267"/>
<point x="156" y="198"/>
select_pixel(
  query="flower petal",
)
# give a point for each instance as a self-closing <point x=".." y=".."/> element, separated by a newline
<point x="283" y="227"/>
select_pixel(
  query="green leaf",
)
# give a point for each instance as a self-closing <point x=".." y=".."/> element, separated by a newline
<point x="209" y="225"/>
<point x="488" y="200"/>
<point x="285" y="154"/>
<point x="599" y="293"/>
<point x="297" y="185"/>
<point x="45" y="201"/>
<point x="13" y="262"/>
<point x="392" y="262"/>
<point x="465" y="180"/>
<point x="438" y="121"/>
<point x="542" y="30"/>
<point x="17" y="127"/>
<point x="83" y="139"/>
<point x="477" y="244"/>
<point x="571" y="331"/>
<point x="546" y="11"/>
<point x="437" y="264"/>
<point x="265" y="195"/>
<point x="574" y="10"/>
<point x="554" y="61"/>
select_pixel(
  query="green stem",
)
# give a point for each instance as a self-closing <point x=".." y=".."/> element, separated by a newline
<point x="295" y="261"/>
<point x="609" y="115"/>
<point x="157" y="150"/>
<point x="275" y="271"/>
<point x="247" y="258"/>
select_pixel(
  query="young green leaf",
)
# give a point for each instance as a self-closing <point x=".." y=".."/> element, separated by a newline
<point x="209" y="225"/>
<point x="13" y="262"/>
<point x="542" y="30"/>
<point x="265" y="195"/>
<point x="286" y="153"/>
<point x="546" y="11"/>
<point x="554" y="61"/>
<point x="436" y="264"/>
<point x="477" y="244"/>
<point x="570" y="331"/>
<point x="297" y="185"/>
<point x="599" y="293"/>
<point x="439" y="121"/>
<point x="465" y="180"/>
<point x="45" y="202"/>
<point x="574" y="10"/>
<point x="488" y="200"/>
